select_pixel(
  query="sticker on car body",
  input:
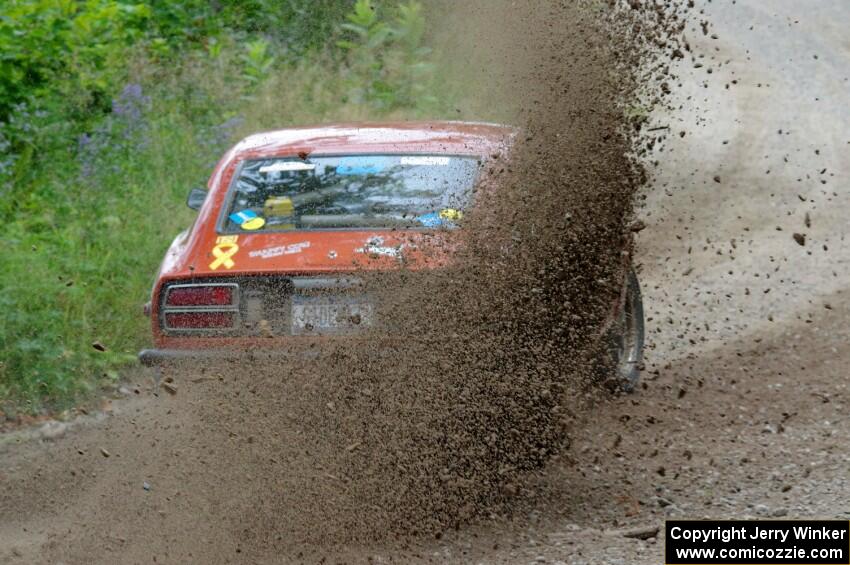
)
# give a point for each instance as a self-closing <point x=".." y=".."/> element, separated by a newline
<point x="285" y="166"/>
<point x="247" y="220"/>
<point x="279" y="250"/>
<point x="432" y="220"/>
<point x="426" y="161"/>
<point x="437" y="219"/>
<point x="451" y="214"/>
<point x="361" y="165"/>
<point x="375" y="246"/>
<point x="225" y="248"/>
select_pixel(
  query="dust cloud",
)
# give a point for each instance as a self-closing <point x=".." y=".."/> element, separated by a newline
<point x="472" y="380"/>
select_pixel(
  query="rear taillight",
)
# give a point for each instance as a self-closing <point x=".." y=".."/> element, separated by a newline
<point x="200" y="295"/>
<point x="199" y="320"/>
<point x="200" y="307"/>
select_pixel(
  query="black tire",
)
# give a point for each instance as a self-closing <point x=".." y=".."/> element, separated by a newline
<point x="627" y="336"/>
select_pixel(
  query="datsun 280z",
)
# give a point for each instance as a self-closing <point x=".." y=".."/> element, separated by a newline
<point x="289" y="216"/>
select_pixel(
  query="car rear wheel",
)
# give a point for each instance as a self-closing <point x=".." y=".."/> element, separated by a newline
<point x="626" y="337"/>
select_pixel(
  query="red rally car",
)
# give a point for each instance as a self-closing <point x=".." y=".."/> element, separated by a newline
<point x="291" y="212"/>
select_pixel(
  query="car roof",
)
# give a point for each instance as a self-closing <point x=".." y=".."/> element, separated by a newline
<point x="450" y="137"/>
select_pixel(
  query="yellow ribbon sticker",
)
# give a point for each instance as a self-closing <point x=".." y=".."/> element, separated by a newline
<point x="225" y="248"/>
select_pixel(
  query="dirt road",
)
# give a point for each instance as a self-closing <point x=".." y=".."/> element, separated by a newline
<point x="744" y="412"/>
<point x="744" y="408"/>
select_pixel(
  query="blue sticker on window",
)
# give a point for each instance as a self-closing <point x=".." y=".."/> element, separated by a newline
<point x="360" y="166"/>
<point x="431" y="220"/>
<point x="240" y="218"/>
<point x="358" y="169"/>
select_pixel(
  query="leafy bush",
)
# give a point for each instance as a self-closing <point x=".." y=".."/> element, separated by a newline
<point x="258" y="62"/>
<point x="81" y="42"/>
<point x="111" y="110"/>
<point x="388" y="65"/>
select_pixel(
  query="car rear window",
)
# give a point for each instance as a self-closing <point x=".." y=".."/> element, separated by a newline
<point x="350" y="191"/>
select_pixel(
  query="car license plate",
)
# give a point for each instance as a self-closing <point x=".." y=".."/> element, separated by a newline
<point x="312" y="315"/>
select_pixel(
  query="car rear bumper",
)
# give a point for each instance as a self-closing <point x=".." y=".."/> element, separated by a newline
<point x="159" y="357"/>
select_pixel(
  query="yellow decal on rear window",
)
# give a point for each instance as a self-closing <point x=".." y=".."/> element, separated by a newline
<point x="451" y="214"/>
<point x="253" y="224"/>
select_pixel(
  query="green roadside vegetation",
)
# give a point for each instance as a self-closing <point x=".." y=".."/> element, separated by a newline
<point x="111" y="110"/>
